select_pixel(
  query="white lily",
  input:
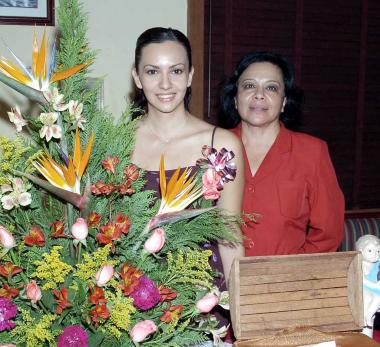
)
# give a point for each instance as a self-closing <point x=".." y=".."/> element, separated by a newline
<point x="75" y="111"/>
<point x="50" y="129"/>
<point x="16" y="118"/>
<point x="56" y="99"/>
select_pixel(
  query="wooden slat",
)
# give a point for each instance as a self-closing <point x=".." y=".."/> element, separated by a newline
<point x="301" y="314"/>
<point x="292" y="277"/>
<point x="293" y="305"/>
<point x="301" y="285"/>
<point x="283" y="324"/>
<point x="293" y="296"/>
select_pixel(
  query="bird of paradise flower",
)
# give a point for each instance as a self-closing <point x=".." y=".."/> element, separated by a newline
<point x="42" y="74"/>
<point x="64" y="180"/>
<point x="177" y="194"/>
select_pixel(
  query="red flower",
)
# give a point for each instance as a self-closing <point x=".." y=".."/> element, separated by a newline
<point x="99" y="312"/>
<point x="126" y="188"/>
<point x="97" y="296"/>
<point x="130" y="277"/>
<point x="109" y="232"/>
<point x="100" y="188"/>
<point x="172" y="314"/>
<point x="36" y="237"/>
<point x="123" y="223"/>
<point x="110" y="163"/>
<point x="58" y="229"/>
<point x="131" y="173"/>
<point x="166" y="294"/>
<point x="9" y="270"/>
<point x="8" y="292"/>
<point x="93" y="219"/>
<point x="62" y="300"/>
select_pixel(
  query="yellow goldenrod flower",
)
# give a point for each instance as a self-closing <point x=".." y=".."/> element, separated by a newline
<point x="68" y="176"/>
<point x="42" y="74"/>
<point x="53" y="270"/>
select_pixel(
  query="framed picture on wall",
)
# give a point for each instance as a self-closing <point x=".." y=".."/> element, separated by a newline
<point x="27" y="12"/>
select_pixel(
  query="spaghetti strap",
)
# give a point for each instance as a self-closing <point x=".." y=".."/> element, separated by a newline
<point x="212" y="137"/>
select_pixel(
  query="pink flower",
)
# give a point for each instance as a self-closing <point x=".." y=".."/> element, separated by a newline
<point x="79" y="229"/>
<point x="156" y="241"/>
<point x="207" y="303"/>
<point x="145" y="295"/>
<point x="74" y="336"/>
<point x="33" y="292"/>
<point x="104" y="275"/>
<point x="6" y="238"/>
<point x="211" y="184"/>
<point x="142" y="329"/>
<point x="8" y="345"/>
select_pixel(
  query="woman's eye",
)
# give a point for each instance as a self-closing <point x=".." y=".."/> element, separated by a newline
<point x="272" y="88"/>
<point x="177" y="71"/>
<point x="248" y="86"/>
<point x="151" y="72"/>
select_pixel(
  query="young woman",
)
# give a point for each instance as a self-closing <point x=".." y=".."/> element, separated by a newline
<point x="163" y="72"/>
<point x="289" y="179"/>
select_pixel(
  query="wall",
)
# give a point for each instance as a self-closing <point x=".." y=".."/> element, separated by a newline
<point x="113" y="29"/>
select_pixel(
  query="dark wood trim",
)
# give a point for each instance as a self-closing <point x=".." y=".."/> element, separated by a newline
<point x="49" y="20"/>
<point x="195" y="33"/>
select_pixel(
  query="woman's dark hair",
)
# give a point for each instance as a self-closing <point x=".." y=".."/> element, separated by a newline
<point x="158" y="35"/>
<point x="294" y="95"/>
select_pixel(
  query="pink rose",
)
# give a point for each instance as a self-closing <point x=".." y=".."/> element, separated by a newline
<point x="211" y="185"/>
<point x="33" y="292"/>
<point x="155" y="242"/>
<point x="79" y="229"/>
<point x="142" y="329"/>
<point x="104" y="275"/>
<point x="8" y="345"/>
<point x="6" y="238"/>
<point x="207" y="303"/>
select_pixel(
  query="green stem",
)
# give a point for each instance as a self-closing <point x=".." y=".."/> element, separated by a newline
<point x="79" y="251"/>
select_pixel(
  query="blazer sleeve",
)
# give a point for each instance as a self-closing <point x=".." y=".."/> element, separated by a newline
<point x="326" y="224"/>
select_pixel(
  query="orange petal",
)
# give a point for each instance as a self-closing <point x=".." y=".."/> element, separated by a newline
<point x="13" y="71"/>
<point x="34" y="53"/>
<point x="77" y="151"/>
<point x="41" y="59"/>
<point x="86" y="156"/>
<point x="69" y="173"/>
<point x="58" y="76"/>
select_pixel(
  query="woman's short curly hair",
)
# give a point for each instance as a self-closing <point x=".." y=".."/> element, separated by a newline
<point x="294" y="95"/>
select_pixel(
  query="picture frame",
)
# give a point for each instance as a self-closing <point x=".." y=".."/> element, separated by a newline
<point x="27" y="12"/>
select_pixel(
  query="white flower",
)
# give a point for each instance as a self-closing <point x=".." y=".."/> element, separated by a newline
<point x="18" y="195"/>
<point x="50" y="129"/>
<point x="16" y="118"/>
<point x="75" y="111"/>
<point x="56" y="99"/>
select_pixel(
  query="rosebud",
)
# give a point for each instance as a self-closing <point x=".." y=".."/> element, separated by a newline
<point x="33" y="292"/>
<point x="156" y="241"/>
<point x="104" y="275"/>
<point x="6" y="238"/>
<point x="142" y="329"/>
<point x="79" y="229"/>
<point x="8" y="345"/>
<point x="207" y="303"/>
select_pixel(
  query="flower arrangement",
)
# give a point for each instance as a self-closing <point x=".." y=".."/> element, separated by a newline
<point x="88" y="258"/>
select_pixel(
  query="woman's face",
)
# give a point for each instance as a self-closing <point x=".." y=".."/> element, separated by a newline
<point x="260" y="94"/>
<point x="164" y="75"/>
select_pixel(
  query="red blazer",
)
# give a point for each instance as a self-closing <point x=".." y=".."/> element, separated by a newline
<point x="297" y="195"/>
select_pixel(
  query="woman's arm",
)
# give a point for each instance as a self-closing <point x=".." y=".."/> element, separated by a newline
<point x="327" y="208"/>
<point x="231" y="196"/>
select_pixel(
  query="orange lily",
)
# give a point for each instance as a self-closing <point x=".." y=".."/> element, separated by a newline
<point x="42" y="74"/>
<point x="68" y="176"/>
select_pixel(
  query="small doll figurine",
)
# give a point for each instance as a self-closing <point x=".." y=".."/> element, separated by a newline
<point x="369" y="246"/>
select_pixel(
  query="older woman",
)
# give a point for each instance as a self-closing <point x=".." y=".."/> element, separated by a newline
<point x="289" y="181"/>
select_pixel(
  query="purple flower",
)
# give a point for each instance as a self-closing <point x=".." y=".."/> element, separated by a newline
<point x="73" y="336"/>
<point x="8" y="310"/>
<point x="145" y="295"/>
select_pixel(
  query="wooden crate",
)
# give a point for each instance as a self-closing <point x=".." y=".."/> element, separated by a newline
<point x="273" y="293"/>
